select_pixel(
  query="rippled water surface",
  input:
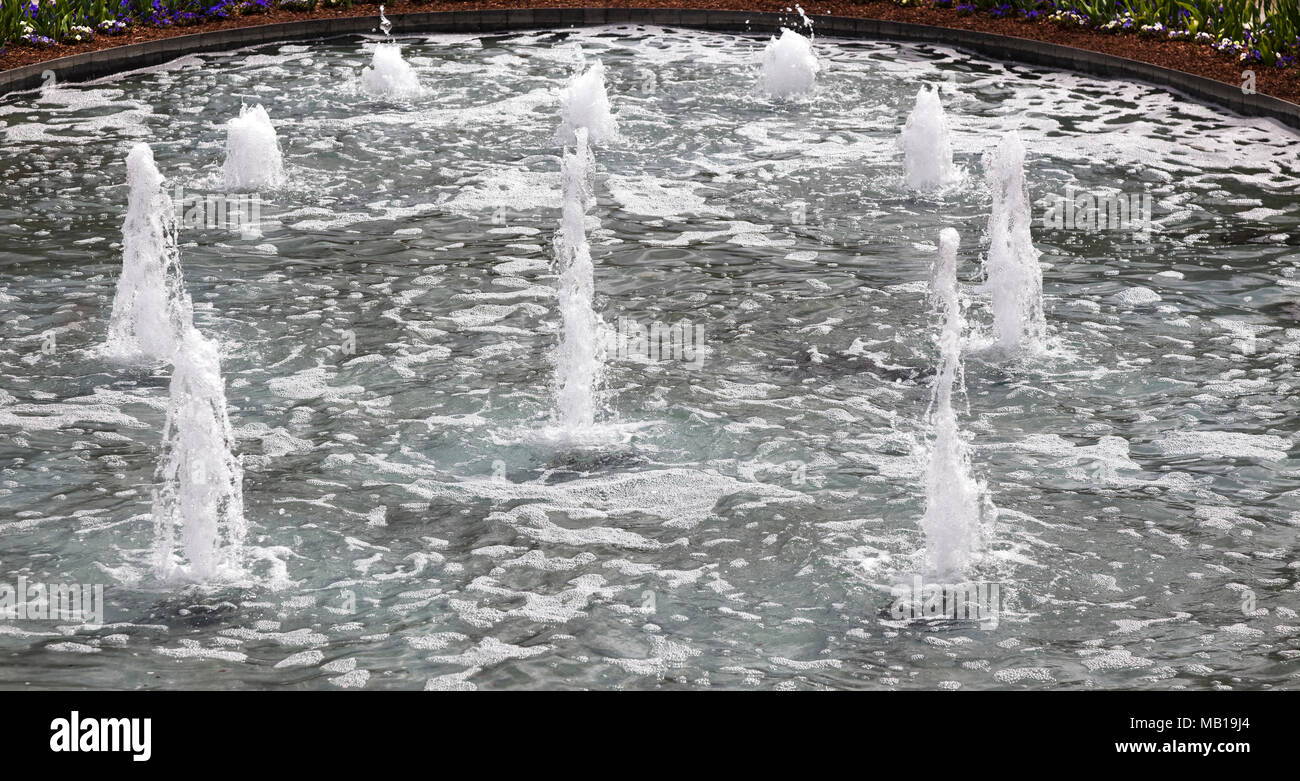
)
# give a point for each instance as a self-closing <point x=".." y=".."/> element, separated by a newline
<point x="742" y="532"/>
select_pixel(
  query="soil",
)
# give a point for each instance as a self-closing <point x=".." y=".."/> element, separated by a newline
<point x="1185" y="56"/>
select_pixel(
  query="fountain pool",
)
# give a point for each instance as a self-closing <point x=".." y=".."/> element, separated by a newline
<point x="387" y="343"/>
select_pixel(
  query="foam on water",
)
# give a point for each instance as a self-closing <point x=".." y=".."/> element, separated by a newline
<point x="151" y="309"/>
<point x="253" y="159"/>
<point x="788" y="68"/>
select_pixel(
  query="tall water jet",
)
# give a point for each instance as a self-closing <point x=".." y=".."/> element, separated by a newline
<point x="578" y="363"/>
<point x="1012" y="274"/>
<point x="927" y="150"/>
<point x="253" y="159"/>
<point x="953" y="504"/>
<point x="388" y="75"/>
<point x="151" y="309"/>
<point x="585" y="104"/>
<point x="789" y="67"/>
<point x="200" y="493"/>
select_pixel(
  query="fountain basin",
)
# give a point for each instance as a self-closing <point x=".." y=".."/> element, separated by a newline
<point x="386" y="346"/>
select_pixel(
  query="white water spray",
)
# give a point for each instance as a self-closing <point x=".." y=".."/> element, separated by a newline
<point x="579" y="361"/>
<point x="584" y="103"/>
<point x="803" y="17"/>
<point x="927" y="150"/>
<point x="253" y="159"/>
<point x="151" y="310"/>
<point x="789" y="67"/>
<point x="1012" y="274"/>
<point x="388" y="75"/>
<point x="953" y="503"/>
<point x="200" y="492"/>
<point x="578" y="364"/>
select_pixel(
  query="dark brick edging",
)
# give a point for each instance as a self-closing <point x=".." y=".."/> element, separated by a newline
<point x="90" y="65"/>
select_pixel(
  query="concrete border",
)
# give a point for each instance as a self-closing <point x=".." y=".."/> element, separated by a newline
<point x="90" y="65"/>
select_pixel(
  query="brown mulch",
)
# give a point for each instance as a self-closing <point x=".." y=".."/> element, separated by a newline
<point x="1179" y="55"/>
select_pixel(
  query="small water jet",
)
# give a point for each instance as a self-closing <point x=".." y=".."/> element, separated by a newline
<point x="388" y="75"/>
<point x="151" y="309"/>
<point x="253" y="158"/>
<point x="953" y="499"/>
<point x="789" y="67"/>
<point x="200" y="492"/>
<point x="584" y="103"/>
<point x="1013" y="277"/>
<point x="927" y="150"/>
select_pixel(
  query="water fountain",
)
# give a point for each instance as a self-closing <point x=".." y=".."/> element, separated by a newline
<point x="789" y="67"/>
<point x="578" y="361"/>
<point x="253" y="159"/>
<point x="200" y="492"/>
<point x="927" y="150"/>
<point x="584" y="103"/>
<point x="388" y="75"/>
<point x="397" y="350"/>
<point x="1013" y="277"/>
<point x="151" y="309"/>
<point x="952" y="520"/>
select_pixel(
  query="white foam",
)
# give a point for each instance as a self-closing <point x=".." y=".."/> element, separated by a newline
<point x="584" y="104"/>
<point x="390" y="76"/>
<point x="253" y="158"/>
<point x="788" y="67"/>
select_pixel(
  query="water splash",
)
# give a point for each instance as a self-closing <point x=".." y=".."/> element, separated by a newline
<point x="1013" y="277"/>
<point x="253" y="158"/>
<point x="388" y="75"/>
<point x="579" y="359"/>
<point x="200" y="492"/>
<point x="954" y="501"/>
<point x="584" y="103"/>
<point x="927" y="149"/>
<point x="384" y="24"/>
<point x="789" y="67"/>
<point x="807" y="21"/>
<point x="151" y="309"/>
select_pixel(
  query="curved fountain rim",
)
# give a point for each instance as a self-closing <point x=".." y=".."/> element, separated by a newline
<point x="104" y="62"/>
